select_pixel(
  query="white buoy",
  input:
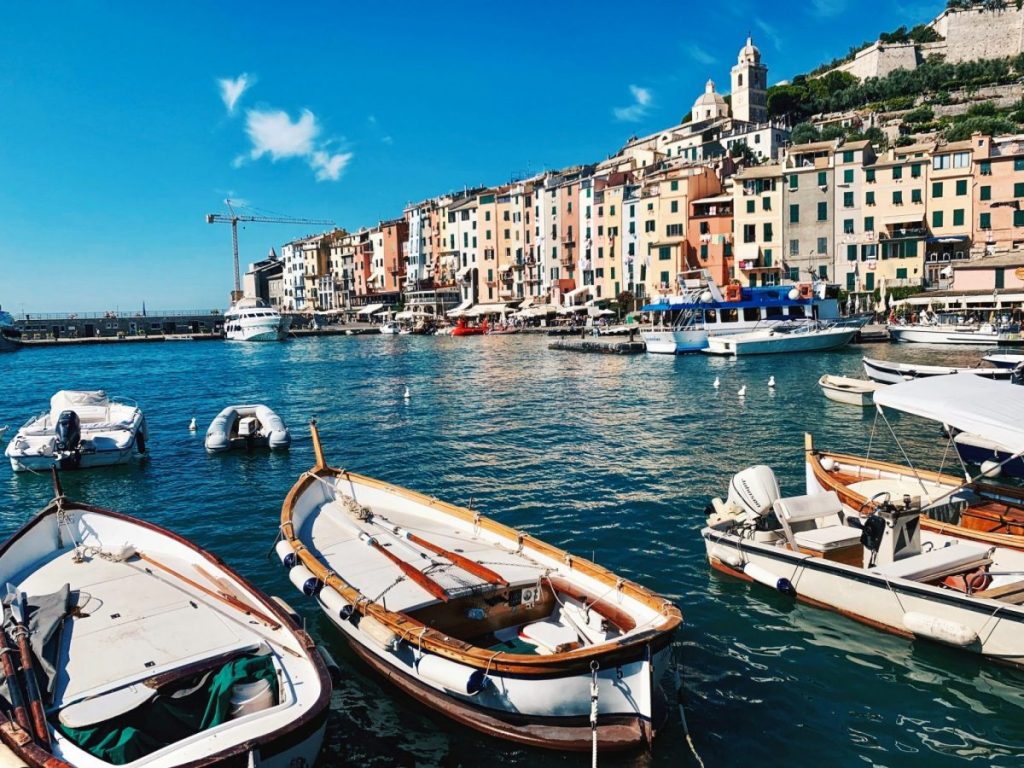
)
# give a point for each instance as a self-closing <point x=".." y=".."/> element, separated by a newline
<point x="717" y="383"/>
<point x="771" y="382"/>
<point x="743" y="391"/>
<point x="407" y="395"/>
<point x="192" y="426"/>
<point x="991" y="468"/>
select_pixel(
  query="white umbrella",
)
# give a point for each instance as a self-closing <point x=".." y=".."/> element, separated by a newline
<point x="888" y="300"/>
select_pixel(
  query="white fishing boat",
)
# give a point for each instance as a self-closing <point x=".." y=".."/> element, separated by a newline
<point x="483" y="623"/>
<point x="148" y="651"/>
<point x="82" y="429"/>
<point x="882" y="570"/>
<point x="799" y="336"/>
<point x="247" y="427"/>
<point x="1000" y="360"/>
<point x="892" y="372"/>
<point x="843" y="389"/>
<point x="391" y="328"/>
<point x="252" y="319"/>
<point x="944" y="333"/>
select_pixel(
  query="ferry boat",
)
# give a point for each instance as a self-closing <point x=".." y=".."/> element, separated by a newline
<point x="685" y="322"/>
<point x="10" y="337"/>
<point x="252" y="319"/>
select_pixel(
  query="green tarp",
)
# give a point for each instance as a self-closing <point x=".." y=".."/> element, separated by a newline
<point x="171" y="717"/>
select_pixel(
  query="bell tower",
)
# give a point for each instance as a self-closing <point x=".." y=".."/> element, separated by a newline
<point x="750" y="86"/>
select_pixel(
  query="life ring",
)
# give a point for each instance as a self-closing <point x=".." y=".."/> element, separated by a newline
<point x="733" y="292"/>
<point x="805" y="290"/>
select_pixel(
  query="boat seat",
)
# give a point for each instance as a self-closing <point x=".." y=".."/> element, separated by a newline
<point x="814" y="522"/>
<point x="928" y="566"/>
<point x="549" y="636"/>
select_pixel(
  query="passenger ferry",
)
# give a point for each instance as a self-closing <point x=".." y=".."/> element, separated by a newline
<point x="684" y="322"/>
<point x="252" y="319"/>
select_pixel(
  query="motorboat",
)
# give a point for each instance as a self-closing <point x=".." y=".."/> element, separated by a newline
<point x="799" y="336"/>
<point x="985" y="453"/>
<point x="1002" y="360"/>
<point x="486" y="624"/>
<point x="462" y="328"/>
<point x="701" y="310"/>
<point x="885" y="569"/>
<point x="247" y="427"/>
<point x="10" y="336"/>
<point x="945" y="333"/>
<point x="892" y="372"/>
<point x="843" y="389"/>
<point x="82" y="429"/>
<point x="139" y="648"/>
<point x="391" y="328"/>
<point x="253" y="319"/>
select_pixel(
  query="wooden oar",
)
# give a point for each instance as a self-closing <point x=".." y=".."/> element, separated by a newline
<point x="470" y="566"/>
<point x="226" y="599"/>
<point x="412" y="572"/>
<point x="227" y="589"/>
<point x="13" y="684"/>
<point x="28" y="667"/>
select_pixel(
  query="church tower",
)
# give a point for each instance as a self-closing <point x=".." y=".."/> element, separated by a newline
<point x="750" y="86"/>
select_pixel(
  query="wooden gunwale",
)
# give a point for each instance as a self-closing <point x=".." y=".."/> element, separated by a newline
<point x="299" y="728"/>
<point x="437" y="642"/>
<point x="812" y="457"/>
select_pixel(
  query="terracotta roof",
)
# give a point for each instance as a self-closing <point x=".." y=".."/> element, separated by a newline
<point x="760" y="172"/>
<point x="1011" y="259"/>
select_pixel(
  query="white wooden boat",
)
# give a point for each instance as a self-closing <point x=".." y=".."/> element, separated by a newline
<point x="844" y="389"/>
<point x="490" y="626"/>
<point x="892" y="372"/>
<point x="882" y="570"/>
<point x="803" y="336"/>
<point x="944" y="333"/>
<point x="158" y="654"/>
<point x="248" y="427"/>
<point x="82" y="429"/>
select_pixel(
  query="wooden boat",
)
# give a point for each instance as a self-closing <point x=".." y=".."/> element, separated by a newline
<point x="488" y="625"/>
<point x="248" y="427"/>
<point x="882" y="570"/>
<point x="844" y="389"/>
<point x="462" y="328"/>
<point x="891" y="372"/>
<point x="149" y="651"/>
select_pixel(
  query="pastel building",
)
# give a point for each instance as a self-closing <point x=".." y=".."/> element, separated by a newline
<point x="950" y="219"/>
<point x="998" y="191"/>
<point x="710" y="234"/>
<point x="758" y="216"/>
<point x="809" y="201"/>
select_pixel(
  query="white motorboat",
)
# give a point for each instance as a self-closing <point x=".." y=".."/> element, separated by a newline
<point x="483" y="623"/>
<point x="800" y="336"/>
<point x="248" y="427"/>
<point x="944" y="333"/>
<point x="843" y="389"/>
<point x="148" y="651"/>
<point x="391" y="328"/>
<point x="10" y="336"/>
<point x="1000" y="360"/>
<point x="891" y="372"/>
<point x="82" y="429"/>
<point x="882" y="569"/>
<point x="252" y="319"/>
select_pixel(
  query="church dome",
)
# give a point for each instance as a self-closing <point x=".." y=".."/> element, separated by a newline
<point x="709" y="105"/>
<point x="749" y="53"/>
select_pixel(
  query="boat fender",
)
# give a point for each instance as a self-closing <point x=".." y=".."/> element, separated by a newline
<point x="451" y="675"/>
<point x="729" y="557"/>
<point x="378" y="633"/>
<point x="335" y="604"/>
<point x="304" y="580"/>
<point x="828" y="463"/>
<point x="286" y="554"/>
<point x="764" y="576"/>
<point x="332" y="666"/>
<point x="939" y="629"/>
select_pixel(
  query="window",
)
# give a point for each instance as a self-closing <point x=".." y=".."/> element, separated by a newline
<point x="794" y="274"/>
<point x="942" y="162"/>
<point x="958" y="217"/>
<point x="916" y="195"/>
<point x="985" y="193"/>
<point x="1000" y="278"/>
<point x="749" y="233"/>
<point x="847" y="199"/>
<point x="869" y="223"/>
<point x="869" y="175"/>
<point x="822" y="245"/>
<point x="961" y="187"/>
<point x="794" y="214"/>
<point x="869" y="198"/>
<point x="1018" y="164"/>
<point x="611" y="210"/>
<point x="848" y="226"/>
<point x="851" y="253"/>
<point x="767" y="257"/>
<point x="664" y="253"/>
<point x="664" y="278"/>
<point x="1018" y="218"/>
<point x="848" y="176"/>
<point x="1018" y="189"/>
<point x="986" y="167"/>
<point x="937" y="189"/>
<point x="901" y="273"/>
<point x="750" y="206"/>
<point x="822" y="211"/>
<point x="897" y="198"/>
<point x="897" y="173"/>
<point x="869" y="252"/>
<point x="851" y="281"/>
<point x="675" y="206"/>
<point x="869" y="281"/>
<point x="674" y="230"/>
<point x="674" y="186"/>
<point x="768" y="232"/>
<point x="794" y="181"/>
<point x="822" y="179"/>
<point x="848" y="157"/>
<point x="569" y="207"/>
<point x="649" y="225"/>
<point x="587" y="214"/>
<point x="766" y="203"/>
<point x="962" y="160"/>
<point x="936" y="218"/>
<point x="985" y="221"/>
<point x="794" y="247"/>
<point x="823" y="271"/>
<point x="704" y="251"/>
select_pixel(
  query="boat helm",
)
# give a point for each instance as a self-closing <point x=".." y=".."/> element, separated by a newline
<point x="752" y="492"/>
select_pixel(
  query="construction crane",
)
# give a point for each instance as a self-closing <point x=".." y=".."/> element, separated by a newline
<point x="233" y="218"/>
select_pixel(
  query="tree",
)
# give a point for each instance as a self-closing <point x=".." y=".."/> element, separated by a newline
<point x="804" y="133"/>
<point x="923" y="114"/>
<point x="627" y="302"/>
<point x="743" y="152"/>
<point x="833" y="131"/>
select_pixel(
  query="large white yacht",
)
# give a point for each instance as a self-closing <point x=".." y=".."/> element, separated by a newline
<point x="252" y="319"/>
<point x="10" y="337"/>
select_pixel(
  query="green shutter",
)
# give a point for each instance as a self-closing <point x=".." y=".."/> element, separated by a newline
<point x="822" y="178"/>
<point x="869" y="175"/>
<point x="1018" y="163"/>
<point x="985" y="221"/>
<point x="851" y="281"/>
<point x="936" y="218"/>
<point x="1018" y="189"/>
<point x="869" y="223"/>
<point x="986" y="168"/>
<point x="869" y="281"/>
<point x="936" y="189"/>
<point x="961" y="187"/>
<point x="848" y="176"/>
<point x="958" y="217"/>
<point x="901" y="274"/>
<point x="794" y="181"/>
<point x="986" y="193"/>
<point x="1018" y="218"/>
<point x="794" y="214"/>
<point x="822" y="211"/>
<point x="851" y="253"/>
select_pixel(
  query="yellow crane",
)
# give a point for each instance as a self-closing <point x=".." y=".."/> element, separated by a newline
<point x="232" y="218"/>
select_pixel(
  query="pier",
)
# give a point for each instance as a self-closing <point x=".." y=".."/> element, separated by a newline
<point x="601" y="347"/>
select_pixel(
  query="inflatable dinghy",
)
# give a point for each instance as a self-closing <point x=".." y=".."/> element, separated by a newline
<point x="247" y="426"/>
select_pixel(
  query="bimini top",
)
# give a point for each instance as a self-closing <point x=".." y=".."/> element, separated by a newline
<point x="768" y="296"/>
<point x="992" y="409"/>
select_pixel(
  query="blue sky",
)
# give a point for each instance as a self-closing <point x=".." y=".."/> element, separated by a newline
<point x="117" y="136"/>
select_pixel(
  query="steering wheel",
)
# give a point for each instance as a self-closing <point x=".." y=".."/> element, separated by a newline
<point x="880" y="494"/>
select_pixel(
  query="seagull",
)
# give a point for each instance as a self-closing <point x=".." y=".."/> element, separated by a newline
<point x="771" y="382"/>
<point x="743" y="391"/>
<point x="406" y="395"/>
<point x="717" y="383"/>
<point x="192" y="426"/>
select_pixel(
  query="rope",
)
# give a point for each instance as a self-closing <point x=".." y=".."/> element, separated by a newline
<point x="682" y="711"/>
<point x="594" y="666"/>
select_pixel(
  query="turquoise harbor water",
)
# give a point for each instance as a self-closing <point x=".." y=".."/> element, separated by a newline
<point x="610" y="457"/>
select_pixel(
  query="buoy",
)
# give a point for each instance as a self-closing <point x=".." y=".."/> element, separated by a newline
<point x="286" y="554"/>
<point x="991" y="468"/>
<point x="335" y="604"/>
<point x="406" y="395"/>
<point x="717" y="383"/>
<point x="769" y="579"/>
<point x="450" y="675"/>
<point x="743" y="391"/>
<point x="771" y="382"/>
<point x="303" y="580"/>
<point x="192" y="426"/>
<point x="938" y="629"/>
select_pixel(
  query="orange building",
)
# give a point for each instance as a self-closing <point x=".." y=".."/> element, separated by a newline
<point x="709" y="236"/>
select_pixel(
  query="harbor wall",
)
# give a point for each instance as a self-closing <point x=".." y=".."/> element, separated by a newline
<point x="71" y="325"/>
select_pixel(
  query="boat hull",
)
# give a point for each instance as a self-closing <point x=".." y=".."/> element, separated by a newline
<point x="848" y="391"/>
<point x="271" y="331"/>
<point x="1003" y="360"/>
<point x="674" y="342"/>
<point x="779" y="343"/>
<point x="938" y="334"/>
<point x="886" y="372"/>
<point x="25" y="463"/>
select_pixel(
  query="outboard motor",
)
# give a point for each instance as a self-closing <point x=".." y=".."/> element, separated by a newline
<point x="752" y="492"/>
<point x="68" y="431"/>
<point x="1017" y="377"/>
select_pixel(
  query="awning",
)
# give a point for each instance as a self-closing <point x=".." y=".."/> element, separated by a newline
<point x="950" y="239"/>
<point x="967" y="402"/>
<point x="376" y="276"/>
<point x="577" y="291"/>
<point x="370" y="309"/>
<point x="571" y="309"/>
<point x="527" y="302"/>
<point x="541" y="310"/>
<point x="409" y="314"/>
<point x="487" y="309"/>
<point x="903" y="218"/>
<point x="461" y="274"/>
<point x="461" y="309"/>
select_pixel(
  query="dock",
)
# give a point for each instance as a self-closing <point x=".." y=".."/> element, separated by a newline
<point x="872" y="334"/>
<point x="601" y="347"/>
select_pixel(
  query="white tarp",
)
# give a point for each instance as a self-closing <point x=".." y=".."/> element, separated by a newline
<point x="370" y="309"/>
<point x="992" y="409"/>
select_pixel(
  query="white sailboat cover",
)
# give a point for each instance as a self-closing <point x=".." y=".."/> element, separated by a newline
<point x="969" y="403"/>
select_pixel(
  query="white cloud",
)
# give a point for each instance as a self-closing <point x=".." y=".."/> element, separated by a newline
<point x="770" y="32"/>
<point x="274" y="133"/>
<point x="231" y="90"/>
<point x="700" y="55"/>
<point x="825" y="9"/>
<point x="387" y="140"/>
<point x="636" y="111"/>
